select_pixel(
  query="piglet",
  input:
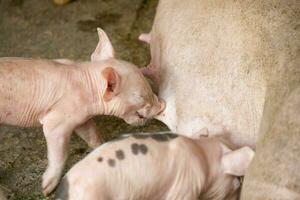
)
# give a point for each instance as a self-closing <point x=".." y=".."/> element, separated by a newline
<point x="63" y="95"/>
<point x="157" y="166"/>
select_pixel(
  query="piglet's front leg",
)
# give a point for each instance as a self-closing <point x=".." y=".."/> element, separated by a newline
<point x="88" y="132"/>
<point x="57" y="131"/>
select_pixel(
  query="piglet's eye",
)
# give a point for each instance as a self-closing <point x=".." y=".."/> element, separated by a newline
<point x="140" y="115"/>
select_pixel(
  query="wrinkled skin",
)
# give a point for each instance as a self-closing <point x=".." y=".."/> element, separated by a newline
<point x="231" y="66"/>
<point x="157" y="166"/>
<point x="63" y="95"/>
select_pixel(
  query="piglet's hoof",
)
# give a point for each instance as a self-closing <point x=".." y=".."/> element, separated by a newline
<point x="50" y="181"/>
<point x="61" y="2"/>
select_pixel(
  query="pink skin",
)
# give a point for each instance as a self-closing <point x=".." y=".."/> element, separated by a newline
<point x="151" y="71"/>
<point x="210" y="66"/>
<point x="177" y="168"/>
<point x="62" y="96"/>
<point x="145" y="37"/>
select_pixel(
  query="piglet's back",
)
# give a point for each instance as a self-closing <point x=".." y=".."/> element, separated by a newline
<point x="27" y="85"/>
<point x="137" y="167"/>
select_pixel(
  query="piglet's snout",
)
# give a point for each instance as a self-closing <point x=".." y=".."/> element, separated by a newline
<point x="157" y="108"/>
<point x="160" y="112"/>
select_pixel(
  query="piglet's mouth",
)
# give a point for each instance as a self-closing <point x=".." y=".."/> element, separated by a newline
<point x="160" y="113"/>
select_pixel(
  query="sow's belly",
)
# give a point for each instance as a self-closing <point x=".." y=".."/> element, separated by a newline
<point x="190" y="116"/>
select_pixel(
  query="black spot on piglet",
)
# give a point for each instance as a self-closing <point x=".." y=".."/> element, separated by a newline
<point x="100" y="159"/>
<point x="163" y="137"/>
<point x="143" y="149"/>
<point x="171" y="135"/>
<point x="136" y="148"/>
<point x="120" y="154"/>
<point x="111" y="162"/>
<point x="160" y="137"/>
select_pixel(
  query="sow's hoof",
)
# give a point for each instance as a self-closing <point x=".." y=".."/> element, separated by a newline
<point x="61" y="2"/>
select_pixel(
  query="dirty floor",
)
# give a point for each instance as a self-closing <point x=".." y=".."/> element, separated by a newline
<point x="39" y="29"/>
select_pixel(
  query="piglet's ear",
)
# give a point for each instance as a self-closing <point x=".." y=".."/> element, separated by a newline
<point x="113" y="82"/>
<point x="104" y="49"/>
<point x="237" y="162"/>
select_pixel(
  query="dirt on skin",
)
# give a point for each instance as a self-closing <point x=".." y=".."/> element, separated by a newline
<point x="40" y="29"/>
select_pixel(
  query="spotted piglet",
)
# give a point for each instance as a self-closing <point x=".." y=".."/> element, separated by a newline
<point x="157" y="166"/>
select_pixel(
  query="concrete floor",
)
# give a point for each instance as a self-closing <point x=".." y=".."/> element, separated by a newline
<point x="35" y="28"/>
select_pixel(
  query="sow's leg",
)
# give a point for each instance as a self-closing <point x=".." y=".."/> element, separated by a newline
<point x="275" y="171"/>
